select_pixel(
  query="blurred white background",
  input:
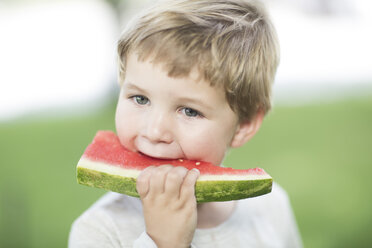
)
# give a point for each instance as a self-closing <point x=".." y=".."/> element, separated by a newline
<point x="62" y="54"/>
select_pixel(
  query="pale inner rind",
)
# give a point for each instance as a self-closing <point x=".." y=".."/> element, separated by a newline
<point x="116" y="170"/>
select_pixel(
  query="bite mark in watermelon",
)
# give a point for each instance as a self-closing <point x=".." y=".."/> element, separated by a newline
<point x="107" y="164"/>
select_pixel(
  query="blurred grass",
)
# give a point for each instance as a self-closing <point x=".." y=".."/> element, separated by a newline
<point x="321" y="154"/>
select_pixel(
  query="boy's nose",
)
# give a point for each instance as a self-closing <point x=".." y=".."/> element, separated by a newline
<point x="158" y="128"/>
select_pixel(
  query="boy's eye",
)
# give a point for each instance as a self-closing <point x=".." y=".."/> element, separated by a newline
<point x="191" y="112"/>
<point x="142" y="100"/>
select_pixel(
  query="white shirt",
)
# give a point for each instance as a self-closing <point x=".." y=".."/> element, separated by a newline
<point x="116" y="221"/>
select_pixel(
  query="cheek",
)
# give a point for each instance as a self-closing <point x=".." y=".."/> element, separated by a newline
<point x="209" y="145"/>
<point x="125" y="127"/>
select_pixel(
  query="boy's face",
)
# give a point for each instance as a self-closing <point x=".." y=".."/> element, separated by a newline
<point x="173" y="118"/>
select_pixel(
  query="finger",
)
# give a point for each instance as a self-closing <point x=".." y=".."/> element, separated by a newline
<point x="157" y="179"/>
<point x="143" y="181"/>
<point x="188" y="185"/>
<point x="174" y="181"/>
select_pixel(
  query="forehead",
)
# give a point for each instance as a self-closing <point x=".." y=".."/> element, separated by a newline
<point x="177" y="64"/>
<point x="137" y="65"/>
<point x="154" y="76"/>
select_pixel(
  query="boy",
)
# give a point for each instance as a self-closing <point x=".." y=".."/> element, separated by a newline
<point x="195" y="80"/>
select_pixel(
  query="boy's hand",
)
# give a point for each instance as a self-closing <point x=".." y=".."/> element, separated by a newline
<point x="169" y="204"/>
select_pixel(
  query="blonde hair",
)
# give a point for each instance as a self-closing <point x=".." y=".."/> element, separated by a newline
<point x="232" y="43"/>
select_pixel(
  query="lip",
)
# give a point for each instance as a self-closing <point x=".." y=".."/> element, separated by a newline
<point x="156" y="157"/>
<point x="157" y="150"/>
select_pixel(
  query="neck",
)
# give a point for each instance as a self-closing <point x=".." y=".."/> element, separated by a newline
<point x="212" y="214"/>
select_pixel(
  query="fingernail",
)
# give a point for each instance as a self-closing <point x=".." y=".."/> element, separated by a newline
<point x="194" y="169"/>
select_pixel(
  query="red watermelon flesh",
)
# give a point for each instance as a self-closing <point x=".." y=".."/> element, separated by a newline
<point x="107" y="148"/>
<point x="109" y="165"/>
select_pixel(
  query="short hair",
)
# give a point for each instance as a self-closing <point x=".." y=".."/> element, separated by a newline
<point x="232" y="43"/>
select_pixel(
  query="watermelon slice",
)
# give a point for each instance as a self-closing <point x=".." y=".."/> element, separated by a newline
<point x="107" y="164"/>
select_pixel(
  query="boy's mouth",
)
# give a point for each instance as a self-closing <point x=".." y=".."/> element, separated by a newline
<point x="157" y="157"/>
<point x="158" y="150"/>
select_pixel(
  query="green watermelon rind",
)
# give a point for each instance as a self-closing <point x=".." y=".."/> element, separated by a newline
<point x="205" y="191"/>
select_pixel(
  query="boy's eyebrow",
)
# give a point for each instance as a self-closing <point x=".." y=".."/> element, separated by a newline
<point x="195" y="101"/>
<point x="129" y="85"/>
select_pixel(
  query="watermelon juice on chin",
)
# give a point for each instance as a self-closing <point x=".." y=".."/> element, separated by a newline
<point x="109" y="165"/>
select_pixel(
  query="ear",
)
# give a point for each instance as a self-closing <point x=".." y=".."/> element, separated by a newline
<point x="247" y="129"/>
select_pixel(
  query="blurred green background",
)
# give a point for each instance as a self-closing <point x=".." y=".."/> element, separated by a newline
<point x="321" y="154"/>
